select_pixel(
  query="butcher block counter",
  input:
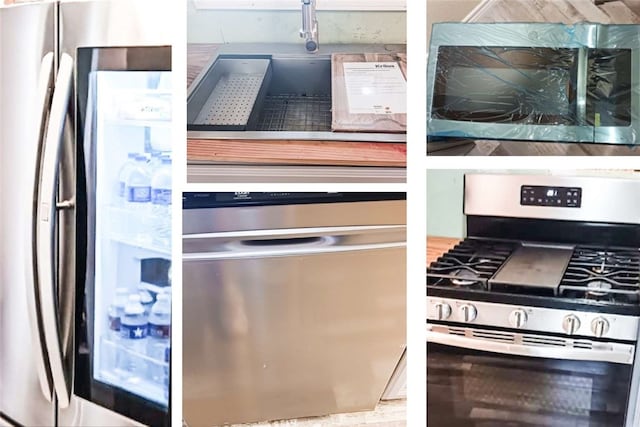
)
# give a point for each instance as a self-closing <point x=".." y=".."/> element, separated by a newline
<point x="283" y="152"/>
<point x="436" y="246"/>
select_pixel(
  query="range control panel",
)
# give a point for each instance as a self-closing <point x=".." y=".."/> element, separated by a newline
<point x="562" y="197"/>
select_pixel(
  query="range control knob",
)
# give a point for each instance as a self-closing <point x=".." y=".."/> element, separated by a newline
<point x="599" y="326"/>
<point x="518" y="318"/>
<point x="571" y="324"/>
<point x="468" y="313"/>
<point x="443" y="310"/>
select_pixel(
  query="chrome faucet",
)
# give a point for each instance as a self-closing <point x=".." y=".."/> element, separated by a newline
<point x="309" y="30"/>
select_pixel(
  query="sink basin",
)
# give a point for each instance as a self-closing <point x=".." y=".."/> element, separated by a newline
<point x="298" y="97"/>
<point x="288" y="99"/>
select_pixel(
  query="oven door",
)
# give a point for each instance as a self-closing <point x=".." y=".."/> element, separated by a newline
<point x="494" y="378"/>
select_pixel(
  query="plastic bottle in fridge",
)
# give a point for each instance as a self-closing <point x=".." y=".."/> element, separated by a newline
<point x="146" y="299"/>
<point x="167" y="371"/>
<point x="161" y="202"/>
<point x="159" y="336"/>
<point x="123" y="177"/>
<point x="111" y="343"/>
<point x="133" y="334"/>
<point x="138" y="194"/>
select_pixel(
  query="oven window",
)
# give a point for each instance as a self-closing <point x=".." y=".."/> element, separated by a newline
<point x="609" y="87"/>
<point x="506" y="85"/>
<point x="467" y="388"/>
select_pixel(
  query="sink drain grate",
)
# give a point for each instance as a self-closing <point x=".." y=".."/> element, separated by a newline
<point x="296" y="113"/>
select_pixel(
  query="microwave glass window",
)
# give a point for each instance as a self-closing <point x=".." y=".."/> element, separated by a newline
<point x="609" y="87"/>
<point x="506" y="85"/>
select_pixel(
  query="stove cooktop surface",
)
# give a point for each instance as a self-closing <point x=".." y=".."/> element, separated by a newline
<point x="598" y="278"/>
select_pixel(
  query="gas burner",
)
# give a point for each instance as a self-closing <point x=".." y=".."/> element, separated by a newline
<point x="598" y="288"/>
<point x="464" y="277"/>
<point x="469" y="264"/>
<point x="611" y="275"/>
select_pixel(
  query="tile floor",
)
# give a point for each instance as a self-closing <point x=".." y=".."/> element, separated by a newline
<point x="391" y="413"/>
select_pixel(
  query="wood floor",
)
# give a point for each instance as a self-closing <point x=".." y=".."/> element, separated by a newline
<point x="565" y="11"/>
<point x="387" y="414"/>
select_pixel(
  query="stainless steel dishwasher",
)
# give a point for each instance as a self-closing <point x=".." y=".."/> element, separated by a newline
<point x="294" y="303"/>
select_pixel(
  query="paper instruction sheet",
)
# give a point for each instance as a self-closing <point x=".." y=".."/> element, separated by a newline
<point x="375" y="88"/>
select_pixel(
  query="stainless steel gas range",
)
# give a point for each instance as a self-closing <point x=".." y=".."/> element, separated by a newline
<point x="532" y="319"/>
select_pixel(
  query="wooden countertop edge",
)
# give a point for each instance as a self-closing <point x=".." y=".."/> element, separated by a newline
<point x="335" y="153"/>
<point x="436" y="246"/>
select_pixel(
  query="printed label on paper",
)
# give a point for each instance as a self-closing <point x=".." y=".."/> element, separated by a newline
<point x="375" y="88"/>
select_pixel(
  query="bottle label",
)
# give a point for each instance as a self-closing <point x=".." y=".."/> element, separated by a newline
<point x="161" y="196"/>
<point x="114" y="323"/>
<point x="159" y="331"/>
<point x="139" y="194"/>
<point x="133" y="332"/>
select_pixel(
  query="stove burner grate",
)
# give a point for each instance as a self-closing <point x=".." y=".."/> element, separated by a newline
<point x="469" y="264"/>
<point x="603" y="274"/>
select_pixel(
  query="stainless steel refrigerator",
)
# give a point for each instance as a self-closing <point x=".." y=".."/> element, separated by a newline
<point x="84" y="97"/>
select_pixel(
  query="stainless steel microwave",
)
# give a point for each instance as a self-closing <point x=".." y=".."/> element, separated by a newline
<point x="535" y="81"/>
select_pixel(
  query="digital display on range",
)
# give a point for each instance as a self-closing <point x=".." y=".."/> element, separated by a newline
<point x="561" y="197"/>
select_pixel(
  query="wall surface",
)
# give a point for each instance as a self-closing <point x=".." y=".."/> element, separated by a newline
<point x="445" y="195"/>
<point x="268" y="26"/>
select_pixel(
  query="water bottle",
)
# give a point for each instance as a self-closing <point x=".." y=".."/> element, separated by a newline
<point x="161" y="203"/>
<point x="115" y="311"/>
<point x="159" y="336"/>
<point x="123" y="177"/>
<point x="167" y="371"/>
<point x="155" y="162"/>
<point x="138" y="194"/>
<point x="146" y="299"/>
<point x="133" y="334"/>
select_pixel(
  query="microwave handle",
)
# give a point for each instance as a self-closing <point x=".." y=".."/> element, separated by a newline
<point x="46" y="209"/>
<point x="45" y="86"/>
<point x="620" y="353"/>
<point x="581" y="89"/>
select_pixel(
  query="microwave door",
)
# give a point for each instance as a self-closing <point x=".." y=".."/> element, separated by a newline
<point x="25" y="90"/>
<point x="613" y="102"/>
<point x="498" y="81"/>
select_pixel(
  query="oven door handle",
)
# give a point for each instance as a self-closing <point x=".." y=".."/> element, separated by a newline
<point x="607" y="352"/>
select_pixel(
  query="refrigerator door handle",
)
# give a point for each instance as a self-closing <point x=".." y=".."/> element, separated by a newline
<point x="46" y="228"/>
<point x="45" y="87"/>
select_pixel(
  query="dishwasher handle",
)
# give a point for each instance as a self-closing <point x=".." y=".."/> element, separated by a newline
<point x="284" y="241"/>
<point x="291" y="242"/>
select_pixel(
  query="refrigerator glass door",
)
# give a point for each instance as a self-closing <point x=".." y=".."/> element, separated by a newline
<point x="125" y="123"/>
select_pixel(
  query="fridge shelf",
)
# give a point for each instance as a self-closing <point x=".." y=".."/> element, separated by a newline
<point x="153" y="288"/>
<point x="131" y="228"/>
<point x="139" y="382"/>
<point x="160" y="123"/>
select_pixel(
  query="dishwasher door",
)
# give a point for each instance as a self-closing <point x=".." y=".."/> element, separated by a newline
<point x="291" y="322"/>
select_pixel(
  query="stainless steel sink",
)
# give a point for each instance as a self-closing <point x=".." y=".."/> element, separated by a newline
<point x="293" y="100"/>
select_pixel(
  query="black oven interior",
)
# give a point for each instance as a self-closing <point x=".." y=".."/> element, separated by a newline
<point x="469" y="388"/>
